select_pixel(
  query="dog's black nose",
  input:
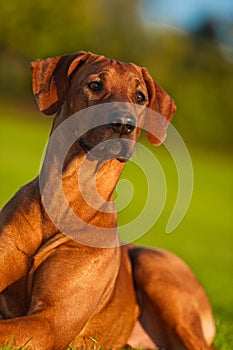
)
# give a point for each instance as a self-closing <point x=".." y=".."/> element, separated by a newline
<point x="122" y="123"/>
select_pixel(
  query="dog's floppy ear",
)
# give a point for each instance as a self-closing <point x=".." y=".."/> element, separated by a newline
<point x="162" y="103"/>
<point x="50" y="80"/>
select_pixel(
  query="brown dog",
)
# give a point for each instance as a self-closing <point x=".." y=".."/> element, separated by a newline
<point x="56" y="291"/>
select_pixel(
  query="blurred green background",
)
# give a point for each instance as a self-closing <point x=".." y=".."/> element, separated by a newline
<point x="195" y="65"/>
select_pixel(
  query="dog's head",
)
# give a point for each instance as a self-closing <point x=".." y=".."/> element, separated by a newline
<point x="67" y="84"/>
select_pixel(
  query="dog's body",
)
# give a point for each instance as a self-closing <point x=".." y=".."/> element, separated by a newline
<point x="57" y="291"/>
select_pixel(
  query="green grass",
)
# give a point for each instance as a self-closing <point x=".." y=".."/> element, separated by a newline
<point x="204" y="237"/>
<point x="10" y="345"/>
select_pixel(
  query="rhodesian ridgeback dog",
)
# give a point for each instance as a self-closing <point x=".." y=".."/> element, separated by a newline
<point x="56" y="291"/>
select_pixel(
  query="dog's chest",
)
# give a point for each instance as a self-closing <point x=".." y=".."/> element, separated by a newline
<point x="112" y="326"/>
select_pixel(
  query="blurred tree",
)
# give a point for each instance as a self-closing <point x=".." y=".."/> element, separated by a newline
<point x="123" y="33"/>
<point x="41" y="28"/>
<point x="201" y="83"/>
<point x="206" y="31"/>
<point x="33" y="29"/>
<point x="37" y="28"/>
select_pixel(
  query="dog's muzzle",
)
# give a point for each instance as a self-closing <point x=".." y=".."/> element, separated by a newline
<point x="121" y="123"/>
<point x="118" y="144"/>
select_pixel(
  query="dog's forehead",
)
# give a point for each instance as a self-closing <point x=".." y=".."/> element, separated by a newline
<point x="98" y="64"/>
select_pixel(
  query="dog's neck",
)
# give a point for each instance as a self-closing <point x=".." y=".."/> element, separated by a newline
<point x="86" y="194"/>
<point x="89" y="187"/>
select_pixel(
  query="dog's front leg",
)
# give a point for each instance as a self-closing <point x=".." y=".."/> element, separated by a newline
<point x="13" y="262"/>
<point x="20" y="233"/>
<point x="69" y="287"/>
<point x="35" y="331"/>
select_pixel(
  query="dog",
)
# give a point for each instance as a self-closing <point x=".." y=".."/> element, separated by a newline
<point x="57" y="290"/>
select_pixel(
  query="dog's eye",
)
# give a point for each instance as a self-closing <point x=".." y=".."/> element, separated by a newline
<point x="95" y="86"/>
<point x="140" y="97"/>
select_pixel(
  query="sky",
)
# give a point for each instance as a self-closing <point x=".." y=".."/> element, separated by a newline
<point x="188" y="14"/>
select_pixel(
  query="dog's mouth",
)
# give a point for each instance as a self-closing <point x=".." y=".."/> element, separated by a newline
<point x="113" y="148"/>
<point x="84" y="146"/>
